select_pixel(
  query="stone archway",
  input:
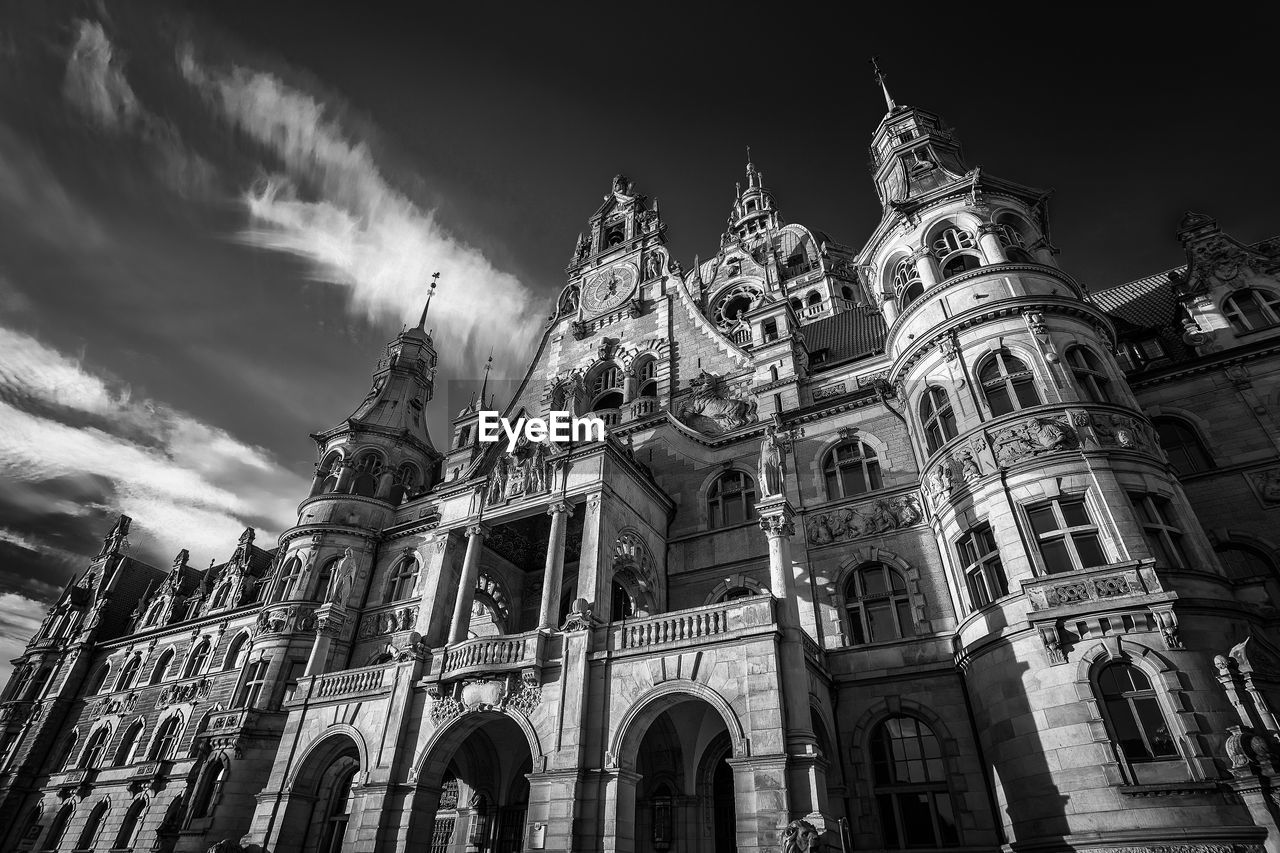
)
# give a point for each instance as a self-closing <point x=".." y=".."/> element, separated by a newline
<point x="320" y="801"/>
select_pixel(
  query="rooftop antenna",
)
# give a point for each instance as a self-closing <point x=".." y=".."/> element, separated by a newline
<point x="422" y="323"/>
<point x="880" y="78"/>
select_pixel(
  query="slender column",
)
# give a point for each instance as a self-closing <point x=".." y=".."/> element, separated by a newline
<point x="329" y="620"/>
<point x="553" y="577"/>
<point x="924" y="263"/>
<point x="467" y="583"/>
<point x="989" y="243"/>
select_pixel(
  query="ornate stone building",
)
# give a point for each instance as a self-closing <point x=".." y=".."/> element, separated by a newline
<point x="919" y="543"/>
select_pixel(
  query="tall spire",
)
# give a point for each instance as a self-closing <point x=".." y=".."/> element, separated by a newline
<point x="422" y="323"/>
<point x="484" y="388"/>
<point x="880" y="78"/>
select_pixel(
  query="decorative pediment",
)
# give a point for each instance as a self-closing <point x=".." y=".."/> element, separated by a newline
<point x="1215" y="259"/>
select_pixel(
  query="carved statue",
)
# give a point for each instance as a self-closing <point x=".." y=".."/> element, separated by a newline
<point x="538" y="475"/>
<point x="498" y="478"/>
<point x="800" y="836"/>
<point x="343" y="574"/>
<point x="710" y="410"/>
<point x="1268" y="484"/>
<point x="771" y="465"/>
<point x="969" y="469"/>
<point x="652" y="265"/>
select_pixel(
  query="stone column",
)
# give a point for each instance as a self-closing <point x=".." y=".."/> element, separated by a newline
<point x="553" y="577"/>
<point x="329" y="621"/>
<point x="924" y="263"/>
<point x="889" y="305"/>
<point x="989" y="244"/>
<point x="467" y="583"/>
<point x="803" y="780"/>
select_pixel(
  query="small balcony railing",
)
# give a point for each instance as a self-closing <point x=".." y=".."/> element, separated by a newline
<point x="741" y="337"/>
<point x="1105" y="583"/>
<point x="709" y="622"/>
<point x="492" y="654"/>
<point x="349" y="682"/>
<point x="644" y="406"/>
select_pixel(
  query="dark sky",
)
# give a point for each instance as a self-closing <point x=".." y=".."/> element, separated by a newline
<point x="213" y="215"/>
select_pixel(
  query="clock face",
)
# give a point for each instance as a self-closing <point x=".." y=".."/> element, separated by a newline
<point x="608" y="289"/>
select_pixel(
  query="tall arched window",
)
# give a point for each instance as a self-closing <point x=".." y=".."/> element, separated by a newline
<point x="407" y="483"/>
<point x="1249" y="310"/>
<point x="960" y="262"/>
<point x="909" y="772"/>
<point x="128" y="743"/>
<point x="907" y="285"/>
<point x="1091" y="377"/>
<point x="89" y="835"/>
<point x="197" y="659"/>
<point x="235" y="653"/>
<point x="1007" y="383"/>
<point x="368" y="469"/>
<point x="161" y="669"/>
<point x="325" y="578"/>
<point x="289" y="579"/>
<point x="337" y="812"/>
<point x="851" y="469"/>
<point x="1245" y="562"/>
<point x="59" y="827"/>
<point x="165" y="744"/>
<point x="98" y="680"/>
<point x="956" y="251"/>
<point x="732" y="499"/>
<point x="208" y="790"/>
<point x="1012" y="234"/>
<point x="404" y="580"/>
<point x="95" y="747"/>
<point x="1182" y="443"/>
<point x="255" y="678"/>
<point x="66" y="752"/>
<point x="878" y="605"/>
<point x="607" y="379"/>
<point x="129" y="673"/>
<point x="647" y="375"/>
<point x="328" y="471"/>
<point x="814" y="299"/>
<point x="1137" y="723"/>
<point x="937" y="417"/>
<point x="127" y="836"/>
<point x="153" y="614"/>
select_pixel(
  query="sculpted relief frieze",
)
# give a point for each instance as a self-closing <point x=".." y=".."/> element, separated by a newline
<point x="847" y="523"/>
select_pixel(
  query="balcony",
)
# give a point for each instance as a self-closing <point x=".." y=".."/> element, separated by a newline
<point x="149" y="774"/>
<point x="492" y="654"/>
<point x="350" y="682"/>
<point x="644" y="406"/>
<point x="834" y="305"/>
<point x="1102" y="584"/>
<point x="694" y="626"/>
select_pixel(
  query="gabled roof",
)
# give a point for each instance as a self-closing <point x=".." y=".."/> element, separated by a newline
<point x="850" y="334"/>
<point x="1145" y="303"/>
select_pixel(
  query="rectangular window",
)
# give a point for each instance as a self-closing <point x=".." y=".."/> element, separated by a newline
<point x="1164" y="537"/>
<point x="983" y="571"/>
<point x="254" y="679"/>
<point x="1067" y="537"/>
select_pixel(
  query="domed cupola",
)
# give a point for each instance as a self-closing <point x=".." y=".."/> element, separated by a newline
<point x="754" y="211"/>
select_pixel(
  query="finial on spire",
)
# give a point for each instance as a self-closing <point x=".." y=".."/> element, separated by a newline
<point x="484" y="388"/>
<point x="422" y="323"/>
<point x="880" y="78"/>
<point x="748" y="158"/>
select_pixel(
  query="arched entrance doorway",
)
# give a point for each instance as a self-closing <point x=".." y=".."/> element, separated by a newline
<point x="679" y="747"/>
<point x="321" y="804"/>
<point x="480" y="769"/>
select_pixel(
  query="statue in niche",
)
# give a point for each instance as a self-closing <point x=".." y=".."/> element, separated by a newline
<point x="343" y="574"/>
<point x="652" y="265"/>
<point x="771" y="464"/>
<point x="498" y="478"/>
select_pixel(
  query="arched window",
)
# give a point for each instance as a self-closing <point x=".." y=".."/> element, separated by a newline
<point x="953" y="240"/>
<point x="911" y="786"/>
<point x="732" y="499"/>
<point x="1011" y="232"/>
<point x="607" y="379"/>
<point x="208" y="790"/>
<point x="621" y="604"/>
<point x="1160" y="528"/>
<point x="1135" y="720"/>
<point x="235" y="653"/>
<point x="337" y="812"/>
<point x="1091" y="377"/>
<point x="220" y="597"/>
<point x="1182" y="443"/>
<point x="98" y="680"/>
<point x="289" y="579"/>
<point x="1007" y="383"/>
<point x="1249" y="310"/>
<point x="937" y="417"/>
<point x="733" y="593"/>
<point x="31" y="826"/>
<point x="1244" y="562"/>
<point x="59" y="828"/>
<point x="407" y="483"/>
<point x="127" y="837"/>
<point x="153" y="614"/>
<point x="255" y="678"/>
<point x="404" y="580"/>
<point x="197" y="659"/>
<point x="878" y="605"/>
<point x="368" y="469"/>
<point x="647" y="372"/>
<point x="328" y="470"/>
<point x="89" y="835"/>
<point x="796" y="303"/>
<point x="813" y="299"/>
<point x="165" y="743"/>
<point x="94" y="748"/>
<point x="324" y="579"/>
<point x="124" y="752"/>
<point x="851" y="469"/>
<point x="983" y="570"/>
<point x="847" y="292"/>
<point x="958" y="263"/>
<point x="161" y="668"/>
<point x="129" y="673"/>
<point x="65" y="754"/>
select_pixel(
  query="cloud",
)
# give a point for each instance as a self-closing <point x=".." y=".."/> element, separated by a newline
<point x="19" y="618"/>
<point x="186" y="484"/>
<point x="330" y="204"/>
<point x="47" y="210"/>
<point x="95" y="84"/>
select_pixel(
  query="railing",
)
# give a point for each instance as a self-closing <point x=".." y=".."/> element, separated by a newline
<point x="697" y="623"/>
<point x="491" y="654"/>
<point x="835" y="304"/>
<point x="740" y="336"/>
<point x="644" y="406"/>
<point x="349" y="681"/>
<point x="611" y="417"/>
<point x="1092" y="585"/>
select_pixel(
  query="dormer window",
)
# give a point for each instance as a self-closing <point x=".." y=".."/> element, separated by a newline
<point x="1249" y="310"/>
<point x="1144" y="351"/>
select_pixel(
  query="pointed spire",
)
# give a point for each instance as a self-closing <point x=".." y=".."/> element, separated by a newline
<point x="884" y="87"/>
<point x="484" y="388"/>
<point x="422" y="323"/>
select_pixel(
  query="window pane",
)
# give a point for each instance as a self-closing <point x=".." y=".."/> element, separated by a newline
<point x="833" y="486"/>
<point x="904" y="619"/>
<point x="1026" y="391"/>
<point x="1089" y="549"/>
<point x="1251" y="310"/>
<point x="998" y="400"/>
<point x="880" y="621"/>
<point x="733" y="509"/>
<point x="873" y="581"/>
<point x="851" y="477"/>
<point x="933" y="436"/>
<point x="917" y="819"/>
<point x="873" y="473"/>
<point x="1128" y="735"/>
<point x="1042" y="519"/>
<point x="888" y="820"/>
<point x="855" y="626"/>
<point x="1074" y="513"/>
<point x="999" y="583"/>
<point x="1056" y="557"/>
<point x="1153" y="724"/>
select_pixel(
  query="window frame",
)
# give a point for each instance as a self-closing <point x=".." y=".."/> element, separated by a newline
<point x="983" y="570"/>
<point x="1199" y="458"/>
<point x="1091" y="378"/>
<point x="1011" y="382"/>
<point x="1065" y="532"/>
<point x="406" y="571"/>
<point x="252" y="685"/>
<point x="1155" y="517"/>
<point x="939" y="422"/>
<point x="857" y="610"/>
<point x="867" y="461"/>
<point x="716" y="499"/>
<point x="1107" y="705"/>
<point x="1264" y="302"/>
<point x="889" y="790"/>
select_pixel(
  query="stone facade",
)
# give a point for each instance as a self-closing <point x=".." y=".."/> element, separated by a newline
<point x="918" y="546"/>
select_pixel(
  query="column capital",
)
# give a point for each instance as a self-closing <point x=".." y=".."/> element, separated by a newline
<point x="560" y="507"/>
<point x="989" y="228"/>
<point x="776" y="516"/>
<point x="478" y="529"/>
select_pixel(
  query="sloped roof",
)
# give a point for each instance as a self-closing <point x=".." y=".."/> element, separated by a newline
<point x="850" y="334"/>
<point x="1145" y="302"/>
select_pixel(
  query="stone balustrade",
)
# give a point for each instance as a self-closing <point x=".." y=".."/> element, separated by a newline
<point x="687" y="627"/>
<point x="1105" y="583"/>
<point x="348" y="682"/>
<point x="491" y="654"/>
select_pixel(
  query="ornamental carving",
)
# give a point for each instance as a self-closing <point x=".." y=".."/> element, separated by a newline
<point x="191" y="691"/>
<point x="1267" y="485"/>
<point x="800" y="836"/>
<point x="388" y="622"/>
<point x="1183" y="848"/>
<point x="712" y="408"/>
<point x="846" y="523"/>
<point x="1033" y="437"/>
<point x="527" y="470"/>
<point x="521" y="694"/>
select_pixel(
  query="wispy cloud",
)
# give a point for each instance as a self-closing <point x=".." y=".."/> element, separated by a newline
<point x="329" y="203"/>
<point x="19" y="618"/>
<point x="186" y="483"/>
<point x="95" y="84"/>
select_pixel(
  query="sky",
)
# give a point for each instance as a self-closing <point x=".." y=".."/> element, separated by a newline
<point x="213" y="216"/>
